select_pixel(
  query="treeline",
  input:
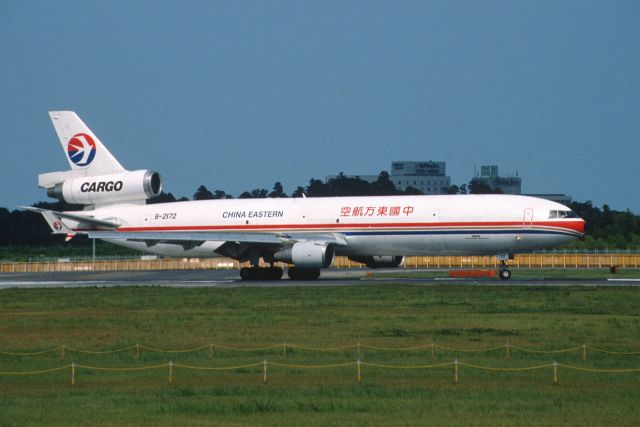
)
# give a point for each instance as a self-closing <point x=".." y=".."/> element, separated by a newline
<point x="606" y="228"/>
<point x="341" y="186"/>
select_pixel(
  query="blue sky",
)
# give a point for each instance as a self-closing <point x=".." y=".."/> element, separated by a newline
<point x="237" y="95"/>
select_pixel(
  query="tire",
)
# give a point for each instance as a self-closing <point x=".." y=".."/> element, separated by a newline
<point x="505" y="274"/>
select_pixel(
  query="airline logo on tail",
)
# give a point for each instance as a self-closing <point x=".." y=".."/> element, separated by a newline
<point x="81" y="149"/>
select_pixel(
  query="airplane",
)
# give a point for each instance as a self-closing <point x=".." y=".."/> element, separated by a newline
<point x="304" y="233"/>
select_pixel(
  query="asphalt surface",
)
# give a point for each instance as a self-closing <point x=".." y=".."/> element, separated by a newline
<point x="230" y="278"/>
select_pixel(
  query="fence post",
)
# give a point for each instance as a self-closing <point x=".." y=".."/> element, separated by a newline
<point x="62" y="352"/>
<point x="170" y="372"/>
<point x="455" y="364"/>
<point x="555" y="373"/>
<point x="137" y="351"/>
<point x="433" y="346"/>
<point x="211" y="350"/>
<point x="284" y="348"/>
<point x="73" y="374"/>
<point x="584" y="352"/>
<point x="264" y="371"/>
<point x="358" y="377"/>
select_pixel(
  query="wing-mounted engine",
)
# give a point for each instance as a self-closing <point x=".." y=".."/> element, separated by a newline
<point x="128" y="186"/>
<point x="393" y="261"/>
<point x="308" y="254"/>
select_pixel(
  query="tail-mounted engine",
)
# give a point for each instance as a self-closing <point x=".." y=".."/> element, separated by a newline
<point x="104" y="189"/>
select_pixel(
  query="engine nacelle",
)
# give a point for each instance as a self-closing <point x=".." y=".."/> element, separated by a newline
<point x="308" y="254"/>
<point x="102" y="189"/>
<point x="391" y="261"/>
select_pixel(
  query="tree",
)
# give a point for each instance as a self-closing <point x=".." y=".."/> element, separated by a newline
<point x="202" y="193"/>
<point x="164" y="198"/>
<point x="278" y="190"/>
<point x="257" y="193"/>
<point x="317" y="188"/>
<point x="384" y="186"/>
<point x="219" y="194"/>
<point x="299" y="192"/>
<point x="478" y="187"/>
<point x="412" y="191"/>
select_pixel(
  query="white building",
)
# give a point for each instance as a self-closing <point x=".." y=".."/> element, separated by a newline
<point x="429" y="177"/>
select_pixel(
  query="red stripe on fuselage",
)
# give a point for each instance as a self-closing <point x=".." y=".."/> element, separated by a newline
<point x="576" y="226"/>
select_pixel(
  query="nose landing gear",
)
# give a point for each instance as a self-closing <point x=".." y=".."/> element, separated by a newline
<point x="503" y="272"/>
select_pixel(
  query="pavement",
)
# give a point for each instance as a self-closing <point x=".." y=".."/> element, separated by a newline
<point x="231" y="278"/>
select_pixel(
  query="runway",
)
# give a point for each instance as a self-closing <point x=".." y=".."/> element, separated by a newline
<point x="230" y="279"/>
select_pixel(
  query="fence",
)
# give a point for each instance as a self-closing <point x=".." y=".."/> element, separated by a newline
<point x="537" y="260"/>
<point x="359" y="364"/>
<point x="432" y="348"/>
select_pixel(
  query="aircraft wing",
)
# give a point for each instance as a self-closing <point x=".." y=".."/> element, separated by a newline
<point x="178" y="237"/>
<point x="278" y="239"/>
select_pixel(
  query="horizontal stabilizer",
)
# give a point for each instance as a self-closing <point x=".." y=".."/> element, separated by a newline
<point x="57" y="217"/>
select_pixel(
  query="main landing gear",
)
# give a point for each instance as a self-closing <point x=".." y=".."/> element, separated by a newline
<point x="504" y="273"/>
<point x="261" y="273"/>
<point x="275" y="273"/>
<point x="303" y="273"/>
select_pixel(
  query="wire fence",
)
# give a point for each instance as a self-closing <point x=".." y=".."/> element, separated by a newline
<point x="457" y="365"/>
<point x="264" y="367"/>
<point x="430" y="348"/>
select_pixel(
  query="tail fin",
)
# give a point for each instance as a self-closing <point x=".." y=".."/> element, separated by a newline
<point x="84" y="150"/>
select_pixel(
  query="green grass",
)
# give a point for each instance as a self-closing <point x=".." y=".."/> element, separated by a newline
<point x="466" y="317"/>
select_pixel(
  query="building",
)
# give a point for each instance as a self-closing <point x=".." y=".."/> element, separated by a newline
<point x="506" y="184"/>
<point x="429" y="177"/>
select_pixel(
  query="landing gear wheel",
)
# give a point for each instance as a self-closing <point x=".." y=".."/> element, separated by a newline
<point x="504" y="273"/>
<point x="260" y="273"/>
<point x="275" y="273"/>
<point x="303" y="273"/>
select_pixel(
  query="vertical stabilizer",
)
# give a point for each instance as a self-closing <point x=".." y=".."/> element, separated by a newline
<point x="85" y="153"/>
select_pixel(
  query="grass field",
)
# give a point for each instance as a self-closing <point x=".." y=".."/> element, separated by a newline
<point x="464" y="317"/>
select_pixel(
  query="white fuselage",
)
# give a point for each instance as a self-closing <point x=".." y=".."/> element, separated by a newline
<point x="371" y="226"/>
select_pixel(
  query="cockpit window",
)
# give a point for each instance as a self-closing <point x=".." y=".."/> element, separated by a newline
<point x="562" y="214"/>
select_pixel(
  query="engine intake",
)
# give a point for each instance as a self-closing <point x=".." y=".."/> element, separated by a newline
<point x="391" y="261"/>
<point x="307" y="254"/>
<point x="102" y="189"/>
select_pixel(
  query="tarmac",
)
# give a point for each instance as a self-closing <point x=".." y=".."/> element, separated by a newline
<point x="231" y="279"/>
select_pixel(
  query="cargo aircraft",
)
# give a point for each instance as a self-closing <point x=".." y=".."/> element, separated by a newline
<point x="305" y="233"/>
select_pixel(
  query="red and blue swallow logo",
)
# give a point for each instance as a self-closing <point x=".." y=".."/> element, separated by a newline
<point x="81" y="149"/>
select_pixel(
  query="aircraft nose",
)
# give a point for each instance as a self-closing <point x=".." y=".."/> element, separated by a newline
<point x="581" y="224"/>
